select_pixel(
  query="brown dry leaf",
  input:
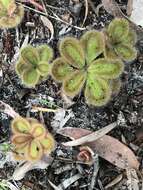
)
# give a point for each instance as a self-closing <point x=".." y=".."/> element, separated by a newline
<point x="107" y="147"/>
<point x="49" y="25"/>
<point x="91" y="137"/>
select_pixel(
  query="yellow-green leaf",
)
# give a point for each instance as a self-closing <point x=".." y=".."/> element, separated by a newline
<point x="30" y="77"/>
<point x="30" y="55"/>
<point x="106" y="68"/>
<point x="93" y="44"/>
<point x="43" y="68"/>
<point x="118" y="30"/>
<point x="125" y="52"/>
<point x="74" y="83"/>
<point x="20" y="125"/>
<point x="60" y="69"/>
<point x="72" y="51"/>
<point x="48" y="143"/>
<point x="45" y="53"/>
<point x="38" y="131"/>
<point x="97" y="92"/>
<point x="34" y="151"/>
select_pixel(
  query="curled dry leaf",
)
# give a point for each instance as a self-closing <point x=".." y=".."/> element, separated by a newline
<point x="47" y="23"/>
<point x="7" y="109"/>
<point x="107" y="147"/>
<point x="20" y="171"/>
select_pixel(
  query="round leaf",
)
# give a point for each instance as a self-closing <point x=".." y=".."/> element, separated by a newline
<point x="30" y="77"/>
<point x="118" y="30"/>
<point x="106" y="68"/>
<point x="48" y="143"/>
<point x="93" y="43"/>
<point x="72" y="51"/>
<point x="30" y="55"/>
<point x="131" y="38"/>
<point x="34" y="151"/>
<point x="74" y="83"/>
<point x="127" y="53"/>
<point x="43" y="68"/>
<point x="97" y="92"/>
<point x="38" y="131"/>
<point x="60" y="69"/>
<point x="45" y="53"/>
<point x="20" y="125"/>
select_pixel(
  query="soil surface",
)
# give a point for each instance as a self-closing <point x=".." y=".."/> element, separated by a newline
<point x="127" y="106"/>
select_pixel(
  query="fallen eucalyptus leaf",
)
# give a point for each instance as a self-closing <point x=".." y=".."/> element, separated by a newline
<point x="107" y="147"/>
<point x="21" y="170"/>
<point x="91" y="137"/>
<point x="49" y="25"/>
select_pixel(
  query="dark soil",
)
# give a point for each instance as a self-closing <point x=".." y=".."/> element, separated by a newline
<point x="126" y="106"/>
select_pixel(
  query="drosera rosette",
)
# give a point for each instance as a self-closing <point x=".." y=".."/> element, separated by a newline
<point x="120" y="40"/>
<point x="33" y="65"/>
<point x="31" y="140"/>
<point x="83" y="66"/>
<point x="10" y="14"/>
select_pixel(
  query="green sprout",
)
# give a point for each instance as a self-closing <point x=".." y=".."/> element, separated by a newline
<point x="10" y="14"/>
<point x="120" y="40"/>
<point x="33" y="65"/>
<point x="31" y="140"/>
<point x="80" y="66"/>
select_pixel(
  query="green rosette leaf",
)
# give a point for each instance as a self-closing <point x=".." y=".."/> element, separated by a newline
<point x="20" y="125"/>
<point x="45" y="53"/>
<point x="30" y="55"/>
<point x="30" y="77"/>
<point x="125" y="52"/>
<point x="60" y="69"/>
<point x="106" y="68"/>
<point x="118" y="30"/>
<point x="97" y="91"/>
<point x="43" y="68"/>
<point x="93" y="44"/>
<point x="34" y="151"/>
<point x="109" y="52"/>
<point x="72" y="52"/>
<point x="74" y="83"/>
<point x="131" y="38"/>
<point x="21" y="66"/>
